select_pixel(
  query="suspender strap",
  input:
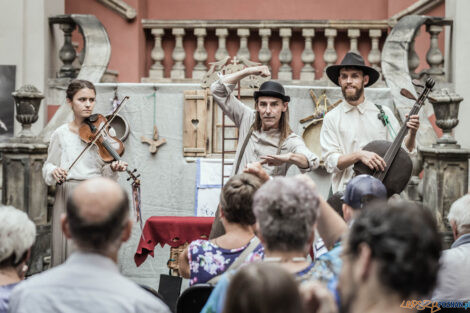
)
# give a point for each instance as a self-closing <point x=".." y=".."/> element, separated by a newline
<point x="384" y="118"/>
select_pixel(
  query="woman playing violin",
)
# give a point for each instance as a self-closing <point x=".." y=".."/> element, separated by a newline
<point x="64" y="147"/>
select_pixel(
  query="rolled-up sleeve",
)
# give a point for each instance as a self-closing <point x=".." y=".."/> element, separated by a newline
<point x="54" y="153"/>
<point x="330" y="146"/>
<point x="232" y="107"/>
<point x="297" y="145"/>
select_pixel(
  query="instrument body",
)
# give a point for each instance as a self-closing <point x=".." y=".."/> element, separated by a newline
<point x="397" y="173"/>
<point x="110" y="148"/>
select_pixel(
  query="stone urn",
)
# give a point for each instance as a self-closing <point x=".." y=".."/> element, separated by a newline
<point x="27" y="101"/>
<point x="446" y="108"/>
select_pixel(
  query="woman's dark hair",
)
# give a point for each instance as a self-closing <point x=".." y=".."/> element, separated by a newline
<point x="263" y="288"/>
<point x="236" y="198"/>
<point x="76" y="85"/>
<point x="404" y="240"/>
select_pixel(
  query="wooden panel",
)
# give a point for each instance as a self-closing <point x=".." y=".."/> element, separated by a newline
<point x="195" y="123"/>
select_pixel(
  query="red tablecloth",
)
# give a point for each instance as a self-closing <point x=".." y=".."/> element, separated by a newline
<point x="163" y="229"/>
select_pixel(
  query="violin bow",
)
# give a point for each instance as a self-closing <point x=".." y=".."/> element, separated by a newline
<point x="98" y="133"/>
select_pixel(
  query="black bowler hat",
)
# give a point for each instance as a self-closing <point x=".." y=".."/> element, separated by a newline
<point x="271" y="89"/>
<point x="352" y="59"/>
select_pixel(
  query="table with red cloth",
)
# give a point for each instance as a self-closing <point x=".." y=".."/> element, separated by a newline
<point x="171" y="230"/>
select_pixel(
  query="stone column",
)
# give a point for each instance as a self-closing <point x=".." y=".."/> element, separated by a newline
<point x="285" y="55"/>
<point x="221" y="52"/>
<point x="445" y="163"/>
<point x="353" y="34"/>
<point x="67" y="53"/>
<point x="434" y="56"/>
<point x="330" y="55"/>
<point x="374" y="54"/>
<point x="308" y="72"/>
<point x="157" y="69"/>
<point x="264" y="54"/>
<point x="200" y="54"/>
<point x="178" y="55"/>
<point x="243" y="52"/>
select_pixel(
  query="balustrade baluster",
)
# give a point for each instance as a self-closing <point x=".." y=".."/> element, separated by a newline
<point x="434" y="55"/>
<point x="243" y="33"/>
<point x="200" y="54"/>
<point x="67" y="53"/>
<point x="221" y="50"/>
<point x="157" y="69"/>
<point x="330" y="55"/>
<point x="285" y="55"/>
<point x="264" y="54"/>
<point x="178" y="54"/>
<point x="374" y="54"/>
<point x="308" y="72"/>
<point x="353" y="34"/>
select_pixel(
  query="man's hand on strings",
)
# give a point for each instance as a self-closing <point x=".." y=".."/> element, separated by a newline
<point x="59" y="174"/>
<point x="119" y="166"/>
<point x="413" y="123"/>
<point x="372" y="160"/>
<point x="276" y="160"/>
<point x="256" y="169"/>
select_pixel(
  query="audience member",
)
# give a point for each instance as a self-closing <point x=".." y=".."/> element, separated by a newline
<point x="17" y="234"/>
<point x="286" y="210"/>
<point x="361" y="190"/>
<point x="203" y="260"/>
<point x="97" y="221"/>
<point x="453" y="281"/>
<point x="390" y="255"/>
<point x="263" y="288"/>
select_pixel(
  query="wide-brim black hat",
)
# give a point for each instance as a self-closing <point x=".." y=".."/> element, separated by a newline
<point x="352" y="59"/>
<point x="271" y="89"/>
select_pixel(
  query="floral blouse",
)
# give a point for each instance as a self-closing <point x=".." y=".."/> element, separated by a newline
<point x="207" y="260"/>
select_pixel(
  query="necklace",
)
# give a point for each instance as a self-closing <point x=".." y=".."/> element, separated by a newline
<point x="284" y="260"/>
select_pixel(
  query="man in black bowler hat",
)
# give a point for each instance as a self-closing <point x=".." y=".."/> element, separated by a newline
<point x="356" y="122"/>
<point x="264" y="133"/>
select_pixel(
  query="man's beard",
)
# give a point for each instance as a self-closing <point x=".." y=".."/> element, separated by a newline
<point x="355" y="96"/>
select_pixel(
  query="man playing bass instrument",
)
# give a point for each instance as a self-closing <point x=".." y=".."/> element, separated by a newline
<point x="356" y="122"/>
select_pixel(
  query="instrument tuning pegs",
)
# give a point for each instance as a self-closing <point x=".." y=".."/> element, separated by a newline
<point x="430" y="83"/>
<point x="407" y="94"/>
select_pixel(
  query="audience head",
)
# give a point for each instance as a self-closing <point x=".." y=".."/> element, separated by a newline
<point x="236" y="199"/>
<point x="17" y="235"/>
<point x="263" y="288"/>
<point x="286" y="209"/>
<point x="459" y="216"/>
<point x="97" y="217"/>
<point x="361" y="190"/>
<point x="392" y="249"/>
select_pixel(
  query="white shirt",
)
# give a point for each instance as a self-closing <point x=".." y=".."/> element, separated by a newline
<point x="86" y="282"/>
<point x="347" y="129"/>
<point x="261" y="143"/>
<point x="64" y="148"/>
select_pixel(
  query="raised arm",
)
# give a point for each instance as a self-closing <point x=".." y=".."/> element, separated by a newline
<point x="234" y="78"/>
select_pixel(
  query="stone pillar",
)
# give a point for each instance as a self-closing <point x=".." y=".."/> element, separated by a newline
<point x="308" y="72"/>
<point x="285" y="55"/>
<point x="264" y="54"/>
<point x="353" y="35"/>
<point x="67" y="53"/>
<point x="22" y="184"/>
<point x="374" y="54"/>
<point x="178" y="55"/>
<point x="434" y="56"/>
<point x="200" y="54"/>
<point x="243" y="52"/>
<point x="221" y="52"/>
<point x="330" y="55"/>
<point x="157" y="69"/>
<point x="445" y="163"/>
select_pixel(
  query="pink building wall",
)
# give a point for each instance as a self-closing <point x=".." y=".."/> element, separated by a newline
<point x="131" y="45"/>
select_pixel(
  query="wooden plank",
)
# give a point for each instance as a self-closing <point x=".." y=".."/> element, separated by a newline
<point x="189" y="131"/>
<point x="201" y="113"/>
<point x="194" y="97"/>
<point x="194" y="150"/>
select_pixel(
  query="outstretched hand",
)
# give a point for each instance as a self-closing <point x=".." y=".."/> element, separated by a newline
<point x="276" y="160"/>
<point x="256" y="169"/>
<point x="261" y="70"/>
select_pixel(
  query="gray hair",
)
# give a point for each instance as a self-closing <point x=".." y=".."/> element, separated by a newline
<point x="17" y="233"/>
<point x="460" y="213"/>
<point x="286" y="209"/>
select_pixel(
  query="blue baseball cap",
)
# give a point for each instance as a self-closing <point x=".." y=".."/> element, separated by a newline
<point x="363" y="188"/>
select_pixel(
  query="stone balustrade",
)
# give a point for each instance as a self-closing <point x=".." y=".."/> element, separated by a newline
<point x="290" y="48"/>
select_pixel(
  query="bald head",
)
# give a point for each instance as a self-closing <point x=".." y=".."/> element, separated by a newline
<point x="97" y="213"/>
